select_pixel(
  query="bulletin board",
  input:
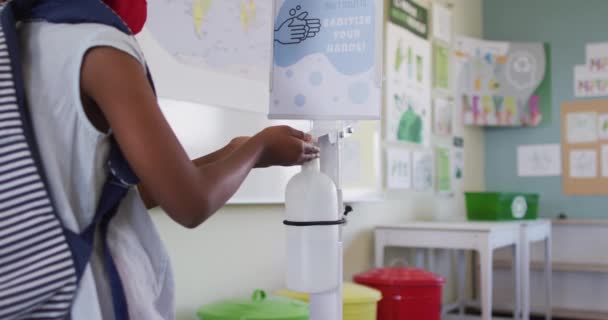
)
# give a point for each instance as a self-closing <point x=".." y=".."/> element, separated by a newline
<point x="585" y="147"/>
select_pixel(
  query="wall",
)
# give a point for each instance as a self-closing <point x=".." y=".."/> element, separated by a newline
<point x="242" y="248"/>
<point x="567" y="25"/>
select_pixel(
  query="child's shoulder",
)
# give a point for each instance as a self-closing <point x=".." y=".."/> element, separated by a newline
<point x="82" y="36"/>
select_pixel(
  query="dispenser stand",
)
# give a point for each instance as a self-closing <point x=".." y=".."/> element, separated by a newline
<point x="328" y="305"/>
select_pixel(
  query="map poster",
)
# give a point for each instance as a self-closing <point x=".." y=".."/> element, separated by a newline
<point x="210" y="52"/>
<point x="327" y="60"/>
<point x="502" y="83"/>
<point x="408" y="87"/>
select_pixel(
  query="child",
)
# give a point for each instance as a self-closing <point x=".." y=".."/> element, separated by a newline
<point x="85" y="81"/>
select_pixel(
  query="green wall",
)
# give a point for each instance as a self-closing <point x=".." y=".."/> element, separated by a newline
<point x="567" y="25"/>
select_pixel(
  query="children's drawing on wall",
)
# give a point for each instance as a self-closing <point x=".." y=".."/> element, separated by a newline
<point x="591" y="79"/>
<point x="502" y="83"/>
<point x="581" y="127"/>
<point x="443" y="157"/>
<point x="408" y="86"/>
<point x="441" y="55"/>
<point x="398" y="168"/>
<point x="422" y="164"/>
<point x="443" y="117"/>
<point x="603" y="126"/>
<point x="583" y="163"/>
<point x="458" y="159"/>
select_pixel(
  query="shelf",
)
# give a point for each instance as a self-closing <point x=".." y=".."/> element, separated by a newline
<point x="559" y="266"/>
<point x="580" y="222"/>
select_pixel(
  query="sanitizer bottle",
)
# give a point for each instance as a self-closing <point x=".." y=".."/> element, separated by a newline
<point x="312" y="241"/>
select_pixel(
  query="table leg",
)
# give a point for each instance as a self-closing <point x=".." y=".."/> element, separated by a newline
<point x="525" y="276"/>
<point x="461" y="282"/>
<point x="521" y="276"/>
<point x="486" y="260"/>
<point x="548" y="278"/>
<point x="419" y="260"/>
<point x="379" y="249"/>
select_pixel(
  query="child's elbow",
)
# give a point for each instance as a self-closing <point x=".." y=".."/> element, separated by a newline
<point x="191" y="216"/>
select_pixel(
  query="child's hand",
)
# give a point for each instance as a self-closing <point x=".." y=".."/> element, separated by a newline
<point x="285" y="146"/>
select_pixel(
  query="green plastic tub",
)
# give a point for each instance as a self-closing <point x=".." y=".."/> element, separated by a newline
<point x="501" y="206"/>
<point x="259" y="307"/>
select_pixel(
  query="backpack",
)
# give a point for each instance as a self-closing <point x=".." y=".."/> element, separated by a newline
<point x="41" y="261"/>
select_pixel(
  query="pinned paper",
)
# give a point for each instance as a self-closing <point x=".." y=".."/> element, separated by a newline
<point x="442" y="67"/>
<point x="603" y="126"/>
<point x="442" y="23"/>
<point x="588" y="83"/>
<point x="408" y="86"/>
<point x="423" y="170"/>
<point x="539" y="160"/>
<point x="399" y="169"/>
<point x="443" y="117"/>
<point x="444" y="170"/>
<point x="458" y="168"/>
<point x="583" y="163"/>
<point x="581" y="127"/>
<point x="605" y="161"/>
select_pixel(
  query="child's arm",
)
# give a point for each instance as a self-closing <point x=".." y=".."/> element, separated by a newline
<point x="117" y="84"/>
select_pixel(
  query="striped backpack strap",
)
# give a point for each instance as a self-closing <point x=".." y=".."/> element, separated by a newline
<point x="37" y="273"/>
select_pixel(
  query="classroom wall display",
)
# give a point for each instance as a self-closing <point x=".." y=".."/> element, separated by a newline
<point x="502" y="83"/>
<point x="210" y="52"/>
<point x="443" y="161"/>
<point x="585" y="147"/>
<point x="591" y="79"/>
<point x="443" y="117"/>
<point x="327" y="60"/>
<point x="408" y="74"/>
<point x="398" y="168"/>
<point x="423" y="174"/>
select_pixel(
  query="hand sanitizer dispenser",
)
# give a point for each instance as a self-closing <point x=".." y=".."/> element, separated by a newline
<point x="313" y="231"/>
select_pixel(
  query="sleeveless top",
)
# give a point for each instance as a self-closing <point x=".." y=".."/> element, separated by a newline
<point x="74" y="154"/>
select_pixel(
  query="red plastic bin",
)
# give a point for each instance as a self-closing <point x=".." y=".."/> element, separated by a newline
<point x="407" y="293"/>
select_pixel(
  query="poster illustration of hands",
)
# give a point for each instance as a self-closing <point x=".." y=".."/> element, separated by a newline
<point x="408" y="74"/>
<point x="327" y="60"/>
<point x="502" y="83"/>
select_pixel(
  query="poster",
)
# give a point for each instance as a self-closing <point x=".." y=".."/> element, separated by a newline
<point x="458" y="159"/>
<point x="442" y="23"/>
<point x="591" y="79"/>
<point x="597" y="57"/>
<point x="581" y="127"/>
<point x="211" y="46"/>
<point x="443" y="117"/>
<point x="602" y="125"/>
<point x="502" y="83"/>
<point x="422" y="164"/>
<point x="539" y="160"/>
<point x="588" y="83"/>
<point x="442" y="67"/>
<point x="408" y="86"/>
<point x="605" y="161"/>
<point x="398" y="169"/>
<point x="583" y="163"/>
<point x="326" y="60"/>
<point x="444" y="170"/>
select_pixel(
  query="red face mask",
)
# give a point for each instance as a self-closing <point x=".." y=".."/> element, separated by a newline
<point x="132" y="12"/>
